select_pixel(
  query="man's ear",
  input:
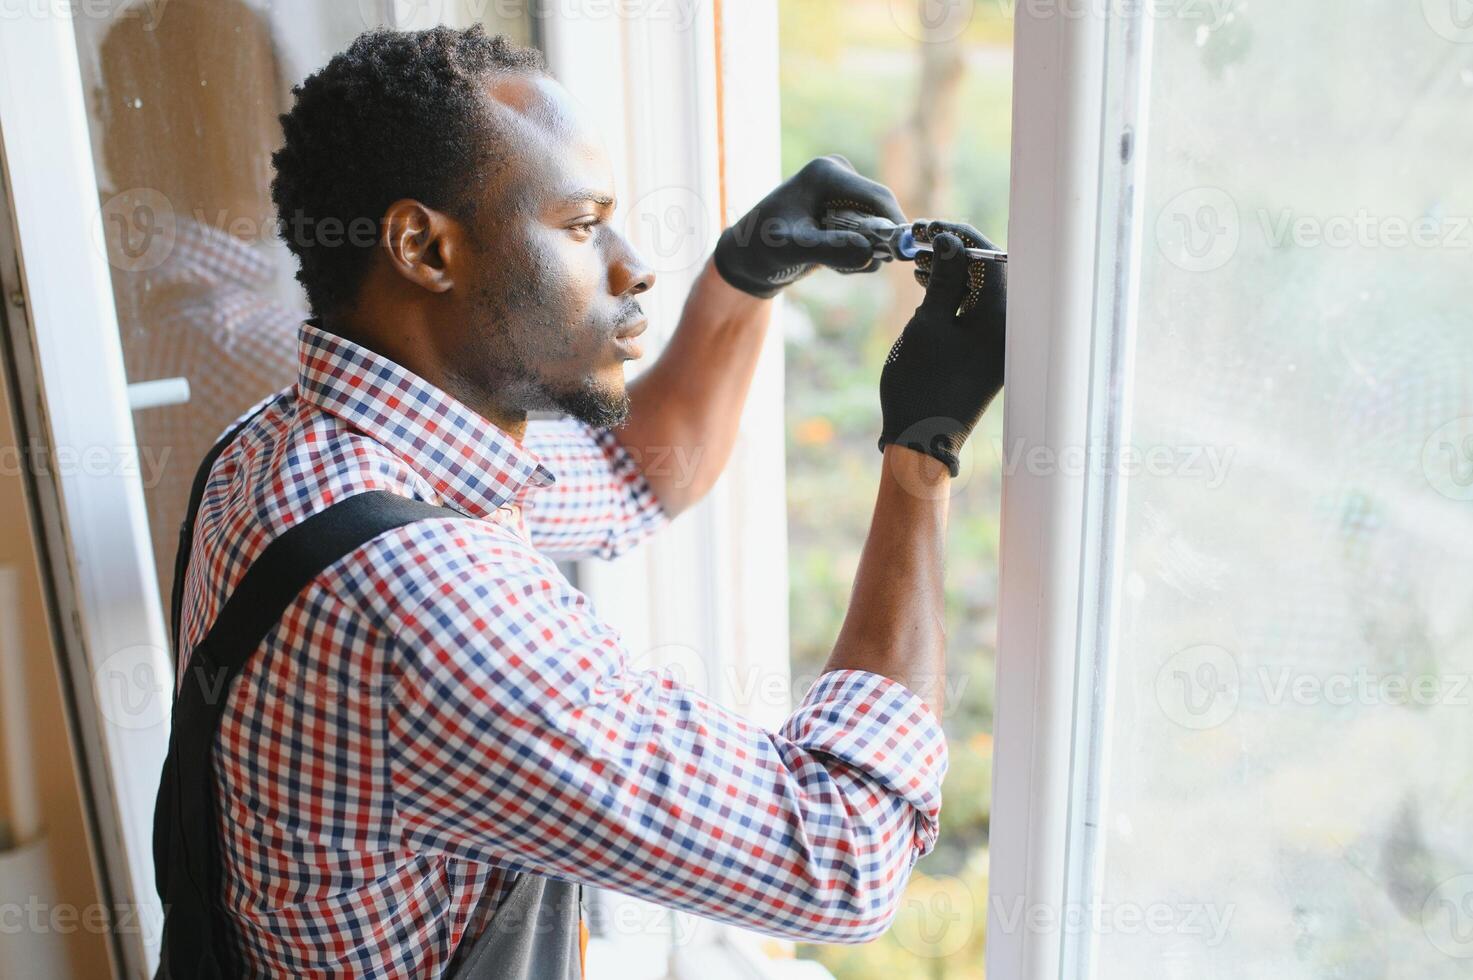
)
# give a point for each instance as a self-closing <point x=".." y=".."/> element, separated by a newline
<point x="423" y="245"/>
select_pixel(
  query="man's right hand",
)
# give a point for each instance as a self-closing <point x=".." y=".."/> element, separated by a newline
<point x="947" y="364"/>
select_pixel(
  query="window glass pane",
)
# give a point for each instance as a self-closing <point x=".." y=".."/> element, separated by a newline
<point x="184" y="98"/>
<point x="918" y="96"/>
<point x="1284" y="789"/>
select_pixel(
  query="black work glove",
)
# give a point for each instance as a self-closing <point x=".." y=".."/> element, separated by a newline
<point x="780" y="241"/>
<point x="946" y="365"/>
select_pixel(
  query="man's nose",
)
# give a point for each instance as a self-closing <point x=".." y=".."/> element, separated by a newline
<point x="629" y="274"/>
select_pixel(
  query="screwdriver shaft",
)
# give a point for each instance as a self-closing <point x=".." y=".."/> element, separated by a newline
<point x="975" y="253"/>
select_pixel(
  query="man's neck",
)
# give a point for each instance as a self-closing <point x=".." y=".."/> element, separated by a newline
<point x="404" y="349"/>
<point x="511" y="421"/>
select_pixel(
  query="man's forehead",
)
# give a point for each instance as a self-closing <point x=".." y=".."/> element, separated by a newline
<point x="555" y="151"/>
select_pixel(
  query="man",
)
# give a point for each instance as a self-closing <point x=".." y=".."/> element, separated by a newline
<point x="516" y="752"/>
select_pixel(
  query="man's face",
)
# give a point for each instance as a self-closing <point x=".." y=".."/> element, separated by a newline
<point x="553" y="284"/>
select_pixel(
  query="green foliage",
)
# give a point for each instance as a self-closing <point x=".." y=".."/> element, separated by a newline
<point x="849" y="75"/>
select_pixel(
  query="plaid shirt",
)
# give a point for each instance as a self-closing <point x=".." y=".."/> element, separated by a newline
<point x="442" y="707"/>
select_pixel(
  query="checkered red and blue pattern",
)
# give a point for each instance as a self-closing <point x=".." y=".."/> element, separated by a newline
<point x="443" y="707"/>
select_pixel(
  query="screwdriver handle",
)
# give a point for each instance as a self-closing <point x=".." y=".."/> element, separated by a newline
<point x="892" y="241"/>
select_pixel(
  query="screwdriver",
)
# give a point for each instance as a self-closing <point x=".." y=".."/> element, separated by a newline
<point x="892" y="240"/>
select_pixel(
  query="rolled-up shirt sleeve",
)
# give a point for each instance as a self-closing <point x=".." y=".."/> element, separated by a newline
<point x="526" y="740"/>
<point x="600" y="506"/>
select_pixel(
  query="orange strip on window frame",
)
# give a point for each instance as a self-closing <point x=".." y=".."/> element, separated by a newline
<point x="716" y="18"/>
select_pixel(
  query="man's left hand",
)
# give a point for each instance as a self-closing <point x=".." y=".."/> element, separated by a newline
<point x="781" y="240"/>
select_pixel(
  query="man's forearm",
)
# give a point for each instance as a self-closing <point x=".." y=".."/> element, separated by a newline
<point x="685" y="408"/>
<point x="896" y="625"/>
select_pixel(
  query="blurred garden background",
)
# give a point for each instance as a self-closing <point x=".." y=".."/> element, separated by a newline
<point x="1333" y="373"/>
<point x="918" y="96"/>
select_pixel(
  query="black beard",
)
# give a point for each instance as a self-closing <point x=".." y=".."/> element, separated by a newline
<point x="595" y="405"/>
<point x="589" y="402"/>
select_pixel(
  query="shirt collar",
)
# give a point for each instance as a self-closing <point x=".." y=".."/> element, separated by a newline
<point x="475" y="465"/>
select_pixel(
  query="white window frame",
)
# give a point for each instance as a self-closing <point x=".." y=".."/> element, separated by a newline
<point x="70" y="385"/>
<point x="1078" y="127"/>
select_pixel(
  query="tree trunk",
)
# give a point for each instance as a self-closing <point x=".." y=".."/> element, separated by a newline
<point x="915" y="160"/>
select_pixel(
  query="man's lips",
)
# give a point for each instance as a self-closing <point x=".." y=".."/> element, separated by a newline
<point x="625" y="338"/>
<point x="633" y="329"/>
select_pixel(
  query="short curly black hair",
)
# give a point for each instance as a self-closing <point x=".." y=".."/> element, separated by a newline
<point x="398" y="114"/>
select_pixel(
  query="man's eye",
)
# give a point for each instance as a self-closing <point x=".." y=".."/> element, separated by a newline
<point x="587" y="226"/>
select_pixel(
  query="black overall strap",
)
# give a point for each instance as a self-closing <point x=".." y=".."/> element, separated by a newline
<point x="186" y="526"/>
<point x="186" y="860"/>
